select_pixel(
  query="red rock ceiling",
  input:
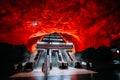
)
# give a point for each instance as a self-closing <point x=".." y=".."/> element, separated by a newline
<point x="84" y="22"/>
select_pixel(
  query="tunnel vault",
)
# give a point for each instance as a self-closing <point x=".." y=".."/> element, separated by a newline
<point x="88" y="23"/>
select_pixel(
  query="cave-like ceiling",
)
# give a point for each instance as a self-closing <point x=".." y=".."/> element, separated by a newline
<point x="84" y="22"/>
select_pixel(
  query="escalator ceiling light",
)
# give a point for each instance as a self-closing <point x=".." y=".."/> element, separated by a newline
<point x="69" y="43"/>
<point x="41" y="42"/>
<point x="34" y="23"/>
<point x="55" y="43"/>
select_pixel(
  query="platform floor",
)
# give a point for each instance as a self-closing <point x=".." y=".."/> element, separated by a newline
<point x="70" y="74"/>
<point x="55" y="74"/>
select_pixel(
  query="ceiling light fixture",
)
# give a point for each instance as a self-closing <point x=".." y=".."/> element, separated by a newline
<point x="34" y="23"/>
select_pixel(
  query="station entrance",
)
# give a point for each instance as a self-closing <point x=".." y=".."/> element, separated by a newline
<point x="54" y="52"/>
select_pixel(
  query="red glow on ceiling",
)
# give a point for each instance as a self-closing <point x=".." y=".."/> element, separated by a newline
<point x="85" y="23"/>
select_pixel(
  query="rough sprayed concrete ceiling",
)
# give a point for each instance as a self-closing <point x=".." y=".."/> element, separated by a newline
<point x="84" y="22"/>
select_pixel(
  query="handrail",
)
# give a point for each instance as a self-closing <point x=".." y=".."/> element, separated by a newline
<point x="71" y="58"/>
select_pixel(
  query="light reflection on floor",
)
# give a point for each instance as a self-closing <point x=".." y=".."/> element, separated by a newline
<point x="65" y="73"/>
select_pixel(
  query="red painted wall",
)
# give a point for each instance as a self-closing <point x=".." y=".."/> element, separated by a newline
<point x="85" y="23"/>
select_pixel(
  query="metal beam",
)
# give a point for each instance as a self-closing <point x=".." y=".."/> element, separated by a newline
<point x="54" y="46"/>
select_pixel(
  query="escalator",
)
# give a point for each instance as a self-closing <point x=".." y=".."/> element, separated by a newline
<point x="66" y="58"/>
<point x="59" y="56"/>
<point x="61" y="63"/>
<point x="40" y="60"/>
<point x="75" y="63"/>
<point x="56" y="43"/>
<point x="54" y="59"/>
